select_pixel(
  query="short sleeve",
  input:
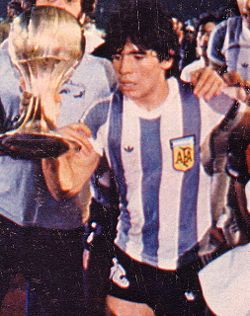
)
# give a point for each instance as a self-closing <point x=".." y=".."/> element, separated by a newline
<point x="96" y="118"/>
<point x="216" y="43"/>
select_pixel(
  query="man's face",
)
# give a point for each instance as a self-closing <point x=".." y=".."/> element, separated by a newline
<point x="71" y="6"/>
<point x="244" y="7"/>
<point x="203" y="35"/>
<point x="139" y="72"/>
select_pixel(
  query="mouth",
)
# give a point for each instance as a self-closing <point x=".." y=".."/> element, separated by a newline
<point x="126" y="85"/>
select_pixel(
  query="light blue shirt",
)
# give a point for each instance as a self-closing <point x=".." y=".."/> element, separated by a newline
<point x="229" y="45"/>
<point x="24" y="197"/>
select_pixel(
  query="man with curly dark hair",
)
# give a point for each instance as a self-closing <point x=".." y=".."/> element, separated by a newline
<point x="150" y="129"/>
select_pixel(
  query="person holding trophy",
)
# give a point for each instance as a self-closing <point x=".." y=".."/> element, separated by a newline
<point x="39" y="236"/>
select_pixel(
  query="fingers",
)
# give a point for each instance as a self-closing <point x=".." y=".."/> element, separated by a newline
<point x="207" y="83"/>
<point x="214" y="88"/>
<point x="80" y="128"/>
<point x="78" y="133"/>
<point x="194" y="76"/>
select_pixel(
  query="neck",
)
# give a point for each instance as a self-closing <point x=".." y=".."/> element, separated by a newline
<point x="154" y="100"/>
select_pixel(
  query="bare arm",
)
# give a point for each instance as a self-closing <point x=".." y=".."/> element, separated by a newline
<point x="66" y="175"/>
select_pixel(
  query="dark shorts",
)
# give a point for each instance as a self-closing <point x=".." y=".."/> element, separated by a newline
<point x="51" y="262"/>
<point x="166" y="292"/>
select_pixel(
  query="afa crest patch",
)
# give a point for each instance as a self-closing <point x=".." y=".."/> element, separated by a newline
<point x="183" y="152"/>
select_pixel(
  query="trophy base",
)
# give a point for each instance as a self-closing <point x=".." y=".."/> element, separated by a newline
<point x="35" y="145"/>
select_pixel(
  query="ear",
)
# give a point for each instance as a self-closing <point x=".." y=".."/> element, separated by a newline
<point x="167" y="64"/>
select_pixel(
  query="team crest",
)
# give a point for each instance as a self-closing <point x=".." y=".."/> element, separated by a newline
<point x="183" y="152"/>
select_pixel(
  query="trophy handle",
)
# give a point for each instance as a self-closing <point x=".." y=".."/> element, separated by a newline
<point x="28" y="114"/>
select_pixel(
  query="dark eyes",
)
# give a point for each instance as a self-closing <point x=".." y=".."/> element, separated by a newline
<point x="139" y="56"/>
<point x="118" y="57"/>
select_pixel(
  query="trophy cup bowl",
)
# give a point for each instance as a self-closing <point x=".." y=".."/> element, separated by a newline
<point x="45" y="45"/>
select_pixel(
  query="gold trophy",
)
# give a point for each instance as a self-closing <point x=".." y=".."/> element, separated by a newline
<point x="45" y="46"/>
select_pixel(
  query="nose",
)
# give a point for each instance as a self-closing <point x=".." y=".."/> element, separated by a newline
<point x="125" y="65"/>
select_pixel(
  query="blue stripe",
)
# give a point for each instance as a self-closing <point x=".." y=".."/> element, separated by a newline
<point x="235" y="29"/>
<point x="114" y="148"/>
<point x="97" y="116"/>
<point x="190" y="183"/>
<point x="151" y="160"/>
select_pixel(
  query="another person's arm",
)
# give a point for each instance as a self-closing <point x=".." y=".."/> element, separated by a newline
<point x="66" y="175"/>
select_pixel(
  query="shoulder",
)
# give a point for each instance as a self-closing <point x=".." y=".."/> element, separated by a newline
<point x="92" y="62"/>
<point x="97" y="115"/>
<point x="234" y="22"/>
<point x="9" y="76"/>
<point x="4" y="53"/>
<point x="95" y="69"/>
<point x="231" y="24"/>
<point x="98" y="112"/>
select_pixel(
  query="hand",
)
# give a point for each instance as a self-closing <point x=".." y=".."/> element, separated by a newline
<point x="79" y="134"/>
<point x="207" y="83"/>
<point x="82" y="155"/>
<point x="66" y="175"/>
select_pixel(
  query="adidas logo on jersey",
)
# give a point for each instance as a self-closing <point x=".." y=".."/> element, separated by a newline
<point x="244" y="65"/>
<point x="128" y="149"/>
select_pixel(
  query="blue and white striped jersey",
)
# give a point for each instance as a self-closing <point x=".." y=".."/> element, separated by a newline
<point x="229" y="46"/>
<point x="155" y="156"/>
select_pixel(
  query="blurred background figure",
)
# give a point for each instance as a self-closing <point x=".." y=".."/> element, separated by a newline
<point x="228" y="49"/>
<point x="204" y="28"/>
<point x="14" y="8"/>
<point x="94" y="36"/>
<point x="187" y="51"/>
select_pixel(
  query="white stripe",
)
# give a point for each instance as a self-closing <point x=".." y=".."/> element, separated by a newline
<point x="171" y="127"/>
<point x="133" y="175"/>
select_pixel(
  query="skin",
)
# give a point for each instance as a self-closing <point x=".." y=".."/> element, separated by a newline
<point x="141" y="75"/>
<point x="244" y="7"/>
<point x="203" y="35"/>
<point x="119" y="307"/>
<point x="73" y="6"/>
<point x="207" y="83"/>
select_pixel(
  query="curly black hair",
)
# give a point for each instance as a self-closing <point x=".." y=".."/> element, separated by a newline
<point x="147" y="25"/>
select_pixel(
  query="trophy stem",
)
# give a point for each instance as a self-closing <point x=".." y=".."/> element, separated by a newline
<point x="31" y="138"/>
<point x="44" y="55"/>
